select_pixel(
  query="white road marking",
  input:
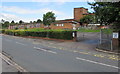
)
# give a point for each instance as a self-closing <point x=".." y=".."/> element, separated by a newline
<point x="40" y="49"/>
<point x="52" y="52"/>
<point x="20" y="43"/>
<point x="97" y="63"/>
<point x="45" y="50"/>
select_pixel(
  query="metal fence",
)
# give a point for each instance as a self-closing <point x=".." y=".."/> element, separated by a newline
<point x="105" y="41"/>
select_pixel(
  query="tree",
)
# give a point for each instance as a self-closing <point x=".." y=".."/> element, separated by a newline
<point x="48" y="18"/>
<point x="31" y="22"/>
<point x="20" y="22"/>
<point x="39" y="21"/>
<point x="16" y="23"/>
<point x="34" y="21"/>
<point x="2" y="21"/>
<point x="107" y="12"/>
<point x="87" y="19"/>
<point x="12" y="22"/>
<point x="5" y="24"/>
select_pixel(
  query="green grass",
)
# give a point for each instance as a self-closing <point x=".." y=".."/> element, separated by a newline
<point x="88" y="30"/>
<point x="107" y="31"/>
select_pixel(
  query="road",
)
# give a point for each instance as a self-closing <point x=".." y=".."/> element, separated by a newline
<point x="38" y="58"/>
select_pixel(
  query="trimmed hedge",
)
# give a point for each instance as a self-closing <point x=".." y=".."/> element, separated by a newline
<point x="67" y="35"/>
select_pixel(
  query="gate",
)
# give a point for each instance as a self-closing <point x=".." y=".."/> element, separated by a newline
<point x="105" y="41"/>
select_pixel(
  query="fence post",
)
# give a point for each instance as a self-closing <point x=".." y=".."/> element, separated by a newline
<point x="116" y="40"/>
<point x="111" y="45"/>
<point x="100" y="36"/>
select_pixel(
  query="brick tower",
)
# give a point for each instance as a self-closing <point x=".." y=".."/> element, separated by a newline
<point x="79" y="13"/>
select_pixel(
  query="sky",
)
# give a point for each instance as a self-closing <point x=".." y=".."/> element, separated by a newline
<point x="31" y="11"/>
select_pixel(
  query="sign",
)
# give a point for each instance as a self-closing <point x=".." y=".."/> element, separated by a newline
<point x="73" y="34"/>
<point x="115" y="35"/>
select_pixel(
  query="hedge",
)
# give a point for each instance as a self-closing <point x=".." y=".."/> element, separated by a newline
<point x="67" y="35"/>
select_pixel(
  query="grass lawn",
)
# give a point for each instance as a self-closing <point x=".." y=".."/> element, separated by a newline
<point x="95" y="30"/>
<point x="88" y="30"/>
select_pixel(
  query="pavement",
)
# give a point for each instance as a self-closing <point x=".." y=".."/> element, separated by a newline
<point x="8" y="68"/>
<point x="37" y="55"/>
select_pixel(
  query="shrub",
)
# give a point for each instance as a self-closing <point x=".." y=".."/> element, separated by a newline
<point x="57" y="34"/>
<point x="16" y="28"/>
<point x="2" y="31"/>
<point x="25" y="28"/>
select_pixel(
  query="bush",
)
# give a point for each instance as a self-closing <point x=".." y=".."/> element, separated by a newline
<point x="25" y="28"/>
<point x="57" y="34"/>
<point x="16" y="28"/>
<point x="2" y="31"/>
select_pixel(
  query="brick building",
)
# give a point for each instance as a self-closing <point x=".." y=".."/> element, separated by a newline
<point x="65" y="24"/>
<point x="27" y="25"/>
<point x="60" y="24"/>
<point x="71" y="23"/>
<point x="80" y="13"/>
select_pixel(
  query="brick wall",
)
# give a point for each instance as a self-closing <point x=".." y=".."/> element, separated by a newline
<point x="64" y="26"/>
<point x="79" y="13"/>
<point x="28" y="25"/>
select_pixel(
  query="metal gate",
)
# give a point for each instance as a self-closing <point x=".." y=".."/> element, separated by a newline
<point x="105" y="41"/>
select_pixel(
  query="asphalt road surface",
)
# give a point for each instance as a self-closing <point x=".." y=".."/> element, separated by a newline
<point x="38" y="58"/>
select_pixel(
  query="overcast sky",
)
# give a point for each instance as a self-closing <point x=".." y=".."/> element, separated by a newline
<point x="31" y="11"/>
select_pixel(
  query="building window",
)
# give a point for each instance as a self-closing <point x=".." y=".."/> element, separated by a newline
<point x="57" y="25"/>
<point x="62" y="24"/>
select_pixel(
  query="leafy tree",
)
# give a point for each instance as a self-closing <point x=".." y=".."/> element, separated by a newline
<point x="2" y="21"/>
<point x="48" y="18"/>
<point x="34" y="21"/>
<point x="5" y="24"/>
<point x="107" y="12"/>
<point x="16" y="23"/>
<point x="12" y="22"/>
<point x="31" y="22"/>
<point x="39" y="21"/>
<point x="87" y="19"/>
<point x="20" y="22"/>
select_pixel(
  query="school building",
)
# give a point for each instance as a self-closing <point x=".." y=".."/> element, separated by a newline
<point x="60" y="24"/>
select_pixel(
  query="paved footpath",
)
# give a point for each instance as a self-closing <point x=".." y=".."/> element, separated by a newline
<point x="7" y="68"/>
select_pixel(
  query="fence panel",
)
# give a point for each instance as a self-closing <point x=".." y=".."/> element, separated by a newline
<point x="105" y="39"/>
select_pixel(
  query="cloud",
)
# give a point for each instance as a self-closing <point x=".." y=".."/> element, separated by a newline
<point x="18" y="10"/>
<point x="12" y="13"/>
<point x="10" y="17"/>
<point x="64" y="17"/>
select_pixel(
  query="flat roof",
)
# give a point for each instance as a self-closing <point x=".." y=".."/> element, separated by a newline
<point x="80" y="8"/>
